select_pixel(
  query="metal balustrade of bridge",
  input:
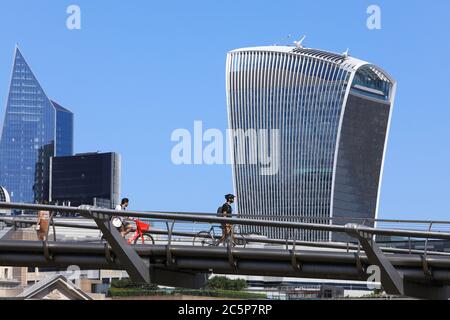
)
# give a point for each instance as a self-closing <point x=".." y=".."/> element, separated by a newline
<point x="410" y="255"/>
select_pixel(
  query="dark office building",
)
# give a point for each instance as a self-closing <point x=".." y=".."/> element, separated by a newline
<point x="90" y="178"/>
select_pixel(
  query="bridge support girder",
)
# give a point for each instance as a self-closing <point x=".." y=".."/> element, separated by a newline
<point x="137" y="269"/>
<point x="391" y="279"/>
<point x="135" y="266"/>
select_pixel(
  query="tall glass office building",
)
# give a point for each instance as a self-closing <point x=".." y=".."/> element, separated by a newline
<point x="35" y="128"/>
<point x="332" y="113"/>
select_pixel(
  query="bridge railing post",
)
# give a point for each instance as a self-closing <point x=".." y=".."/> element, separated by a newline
<point x="169" y="257"/>
<point x="53" y="227"/>
<point x="426" y="268"/>
<point x="286" y="236"/>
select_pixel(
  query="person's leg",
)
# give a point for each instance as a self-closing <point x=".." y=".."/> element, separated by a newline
<point x="229" y="233"/>
<point x="40" y="235"/>
<point x="38" y="229"/>
<point x="128" y="228"/>
<point x="119" y="229"/>
<point x="224" y="235"/>
<point x="44" y="229"/>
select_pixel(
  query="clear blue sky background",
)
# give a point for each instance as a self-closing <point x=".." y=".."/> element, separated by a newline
<point x="137" y="70"/>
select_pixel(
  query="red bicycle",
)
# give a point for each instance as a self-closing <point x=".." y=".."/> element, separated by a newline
<point x="142" y="232"/>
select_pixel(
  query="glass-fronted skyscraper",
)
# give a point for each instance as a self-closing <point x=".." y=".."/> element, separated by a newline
<point x="332" y="113"/>
<point x="34" y="129"/>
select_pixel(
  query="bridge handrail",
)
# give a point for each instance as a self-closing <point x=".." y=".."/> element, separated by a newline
<point x="170" y="216"/>
<point x="328" y="245"/>
<point x="240" y="216"/>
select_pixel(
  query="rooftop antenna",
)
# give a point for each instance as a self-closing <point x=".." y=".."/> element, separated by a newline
<point x="298" y="43"/>
<point x="346" y="53"/>
<point x="288" y="37"/>
<point x="284" y="39"/>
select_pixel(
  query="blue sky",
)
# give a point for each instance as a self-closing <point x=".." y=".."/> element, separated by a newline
<point x="137" y="70"/>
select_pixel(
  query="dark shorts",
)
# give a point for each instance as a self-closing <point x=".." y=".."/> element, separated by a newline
<point x="124" y="225"/>
<point x="226" y="227"/>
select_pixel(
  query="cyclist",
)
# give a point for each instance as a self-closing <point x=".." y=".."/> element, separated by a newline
<point x="121" y="223"/>
<point x="226" y="211"/>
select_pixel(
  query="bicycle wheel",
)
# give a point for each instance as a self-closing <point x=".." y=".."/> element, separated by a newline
<point x="148" y="239"/>
<point x="204" y="239"/>
<point x="240" y="240"/>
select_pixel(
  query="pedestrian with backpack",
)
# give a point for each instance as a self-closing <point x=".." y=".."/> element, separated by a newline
<point x="226" y="211"/>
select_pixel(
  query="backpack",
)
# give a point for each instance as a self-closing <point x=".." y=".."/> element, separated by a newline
<point x="220" y="212"/>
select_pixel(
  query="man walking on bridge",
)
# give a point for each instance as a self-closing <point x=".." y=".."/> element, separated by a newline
<point x="226" y="211"/>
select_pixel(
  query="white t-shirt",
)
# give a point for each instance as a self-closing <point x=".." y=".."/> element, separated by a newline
<point x="119" y="208"/>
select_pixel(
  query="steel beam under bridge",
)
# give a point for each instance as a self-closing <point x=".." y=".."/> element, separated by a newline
<point x="195" y="263"/>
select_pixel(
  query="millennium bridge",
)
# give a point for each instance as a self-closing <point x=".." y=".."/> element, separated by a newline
<point x="407" y="271"/>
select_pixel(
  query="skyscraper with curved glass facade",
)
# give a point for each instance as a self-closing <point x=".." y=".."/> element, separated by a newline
<point x="34" y="129"/>
<point x="332" y="113"/>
